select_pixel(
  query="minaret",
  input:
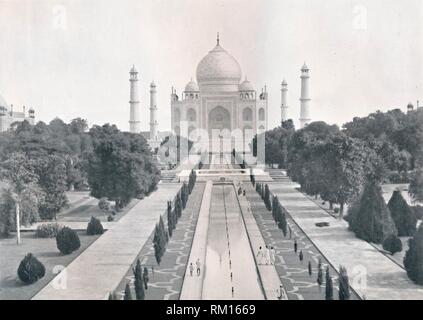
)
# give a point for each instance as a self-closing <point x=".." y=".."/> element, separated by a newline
<point x="305" y="98"/>
<point x="284" y="106"/>
<point x="134" y="102"/>
<point x="153" y="111"/>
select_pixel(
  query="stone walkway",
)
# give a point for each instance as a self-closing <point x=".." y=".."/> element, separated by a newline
<point x="293" y="274"/>
<point x="269" y="277"/>
<point x="372" y="275"/>
<point x="192" y="287"/>
<point x="165" y="281"/>
<point x="100" y="268"/>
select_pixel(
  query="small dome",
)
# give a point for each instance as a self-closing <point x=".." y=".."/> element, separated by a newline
<point x="3" y="102"/>
<point x="152" y="84"/>
<point x="133" y="69"/>
<point x="410" y="106"/>
<point x="246" y="86"/>
<point x="284" y="83"/>
<point x="192" y="87"/>
<point x="304" y="68"/>
<point x="218" y="66"/>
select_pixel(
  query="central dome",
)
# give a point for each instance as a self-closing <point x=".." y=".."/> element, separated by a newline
<point x="219" y="69"/>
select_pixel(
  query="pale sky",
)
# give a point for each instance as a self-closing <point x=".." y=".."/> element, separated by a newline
<point x="71" y="58"/>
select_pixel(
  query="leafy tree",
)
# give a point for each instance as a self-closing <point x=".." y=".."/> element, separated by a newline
<point x="413" y="260"/>
<point x="128" y="294"/>
<point x="403" y="216"/>
<point x="17" y="172"/>
<point x="395" y="136"/>
<point x="416" y="185"/>
<point x="392" y="244"/>
<point x="369" y="217"/>
<point x="344" y="285"/>
<point x="30" y="269"/>
<point x="52" y="179"/>
<point x="104" y="205"/>
<point x="120" y="166"/>
<point x="329" y="285"/>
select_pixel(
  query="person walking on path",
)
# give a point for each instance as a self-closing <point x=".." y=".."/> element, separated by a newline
<point x="191" y="269"/>
<point x="198" y="267"/>
<point x="272" y="255"/>
<point x="267" y="255"/>
<point x="260" y="255"/>
<point x="280" y="293"/>
<point x="295" y="245"/>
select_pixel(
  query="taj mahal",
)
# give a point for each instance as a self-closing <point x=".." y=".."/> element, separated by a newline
<point x="218" y="104"/>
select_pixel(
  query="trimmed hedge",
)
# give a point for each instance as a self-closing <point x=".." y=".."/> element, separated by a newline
<point x="48" y="230"/>
<point x="67" y="240"/>
<point x="392" y="244"/>
<point x="30" y="269"/>
<point x="94" y="227"/>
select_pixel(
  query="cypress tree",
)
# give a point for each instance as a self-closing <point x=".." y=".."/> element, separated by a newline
<point x="310" y="269"/>
<point x="320" y="273"/>
<point x="139" y="283"/>
<point x="413" y="260"/>
<point x="403" y="216"/>
<point x="267" y="198"/>
<point x="127" y="295"/>
<point x="392" y="244"/>
<point x="170" y="219"/>
<point x="112" y="296"/>
<point x="157" y="243"/>
<point x="369" y="216"/>
<point x="329" y="285"/>
<point x="344" y="285"/>
<point x="145" y="278"/>
<point x="275" y="207"/>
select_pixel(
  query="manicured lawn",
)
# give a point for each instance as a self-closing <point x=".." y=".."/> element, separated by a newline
<point x="82" y="207"/>
<point x="45" y="250"/>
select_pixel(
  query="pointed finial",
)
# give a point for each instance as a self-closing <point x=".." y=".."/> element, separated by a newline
<point x="218" y="38"/>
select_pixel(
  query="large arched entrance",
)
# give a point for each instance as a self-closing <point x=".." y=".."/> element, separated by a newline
<point x="219" y="127"/>
<point x="219" y="119"/>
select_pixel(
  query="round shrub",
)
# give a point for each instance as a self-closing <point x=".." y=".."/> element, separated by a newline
<point x="48" y="230"/>
<point x="392" y="244"/>
<point x="94" y="227"/>
<point x="110" y="218"/>
<point x="30" y="269"/>
<point x="104" y="205"/>
<point x="67" y="240"/>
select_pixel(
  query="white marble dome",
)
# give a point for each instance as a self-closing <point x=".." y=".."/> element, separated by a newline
<point x="246" y="86"/>
<point x="192" y="86"/>
<point x="219" y="68"/>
